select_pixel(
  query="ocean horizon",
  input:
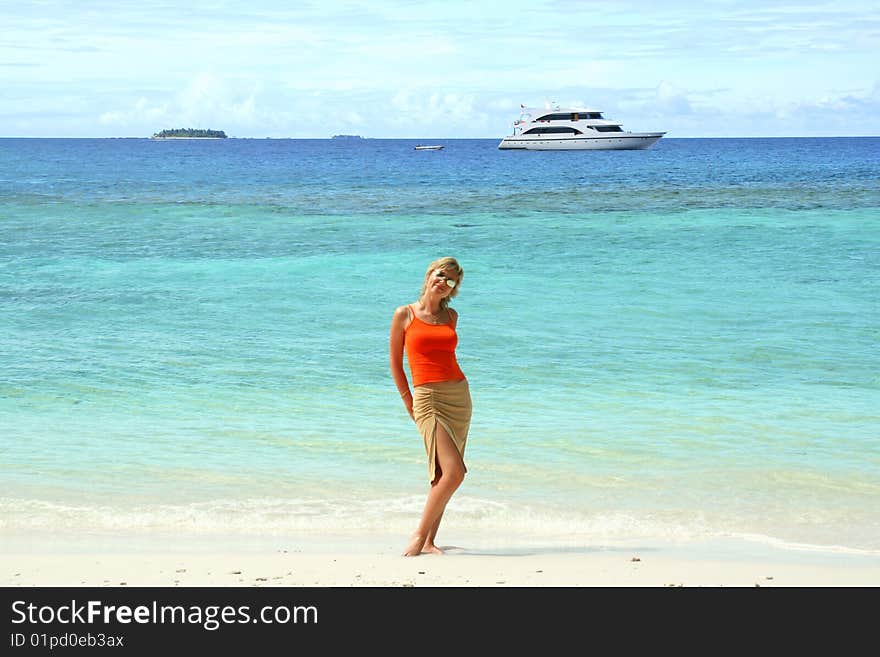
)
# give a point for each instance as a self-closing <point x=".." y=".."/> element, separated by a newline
<point x="677" y="344"/>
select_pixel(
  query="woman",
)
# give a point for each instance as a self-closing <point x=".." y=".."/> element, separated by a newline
<point x="439" y="403"/>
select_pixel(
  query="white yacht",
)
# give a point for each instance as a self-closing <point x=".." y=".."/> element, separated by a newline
<point x="572" y="128"/>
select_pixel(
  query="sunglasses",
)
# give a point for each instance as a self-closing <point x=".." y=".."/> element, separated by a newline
<point x="451" y="282"/>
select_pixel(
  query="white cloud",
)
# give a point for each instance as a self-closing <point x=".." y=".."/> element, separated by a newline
<point x="245" y="112"/>
<point x="269" y="68"/>
<point x="206" y="101"/>
<point x="432" y="108"/>
<point x="671" y="99"/>
<point x="354" y="118"/>
<point x="141" y="111"/>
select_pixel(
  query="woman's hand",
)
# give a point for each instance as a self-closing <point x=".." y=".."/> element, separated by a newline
<point x="408" y="403"/>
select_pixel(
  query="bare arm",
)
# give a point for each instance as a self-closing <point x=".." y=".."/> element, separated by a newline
<point x="395" y="351"/>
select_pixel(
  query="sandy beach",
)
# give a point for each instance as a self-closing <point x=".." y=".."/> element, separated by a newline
<point x="378" y="564"/>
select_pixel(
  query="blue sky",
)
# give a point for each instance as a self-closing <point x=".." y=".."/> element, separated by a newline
<point x="394" y="68"/>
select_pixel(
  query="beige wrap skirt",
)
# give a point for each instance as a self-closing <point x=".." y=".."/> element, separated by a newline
<point x="449" y="404"/>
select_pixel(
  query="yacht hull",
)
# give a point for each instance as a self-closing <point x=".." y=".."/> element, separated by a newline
<point x="626" y="142"/>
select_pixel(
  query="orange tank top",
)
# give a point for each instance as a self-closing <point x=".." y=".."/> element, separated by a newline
<point x="430" y="351"/>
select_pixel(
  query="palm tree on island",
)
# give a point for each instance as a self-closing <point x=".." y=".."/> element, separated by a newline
<point x="189" y="133"/>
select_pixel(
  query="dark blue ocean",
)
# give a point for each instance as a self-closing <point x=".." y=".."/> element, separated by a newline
<point x="674" y="344"/>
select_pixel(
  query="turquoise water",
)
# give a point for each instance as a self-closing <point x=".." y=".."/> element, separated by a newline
<point x="678" y="343"/>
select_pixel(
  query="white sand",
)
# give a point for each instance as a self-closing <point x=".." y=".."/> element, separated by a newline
<point x="379" y="564"/>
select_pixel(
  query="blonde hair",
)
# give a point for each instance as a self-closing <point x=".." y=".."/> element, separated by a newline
<point x="443" y="263"/>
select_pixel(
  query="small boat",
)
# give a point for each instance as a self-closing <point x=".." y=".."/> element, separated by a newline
<point x="435" y="147"/>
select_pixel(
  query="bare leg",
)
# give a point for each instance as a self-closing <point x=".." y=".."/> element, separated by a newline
<point x="430" y="546"/>
<point x="451" y="474"/>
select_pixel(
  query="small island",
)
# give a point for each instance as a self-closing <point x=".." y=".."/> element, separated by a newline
<point x="189" y="133"/>
<point x="346" y="137"/>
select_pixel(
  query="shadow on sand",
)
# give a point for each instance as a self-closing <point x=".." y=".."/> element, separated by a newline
<point x="532" y="550"/>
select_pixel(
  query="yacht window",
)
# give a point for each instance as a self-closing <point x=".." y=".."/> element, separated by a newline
<point x="607" y="128"/>
<point x="553" y="130"/>
<point x="574" y="116"/>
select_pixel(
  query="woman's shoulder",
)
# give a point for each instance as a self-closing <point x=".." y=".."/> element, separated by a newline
<point x="402" y="314"/>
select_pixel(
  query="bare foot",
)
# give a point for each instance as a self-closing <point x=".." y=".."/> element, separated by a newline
<point x="415" y="546"/>
<point x="432" y="549"/>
